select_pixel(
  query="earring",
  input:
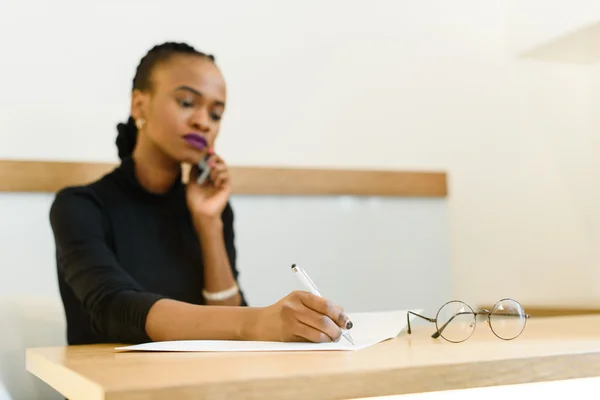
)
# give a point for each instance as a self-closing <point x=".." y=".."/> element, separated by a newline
<point x="140" y="123"/>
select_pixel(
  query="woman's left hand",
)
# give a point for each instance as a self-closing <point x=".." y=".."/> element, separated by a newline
<point x="207" y="201"/>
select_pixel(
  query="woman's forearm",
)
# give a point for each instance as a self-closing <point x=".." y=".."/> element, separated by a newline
<point x="175" y="320"/>
<point x="217" y="270"/>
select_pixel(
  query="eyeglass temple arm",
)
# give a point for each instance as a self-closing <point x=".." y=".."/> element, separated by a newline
<point x="439" y="331"/>
<point x="417" y="315"/>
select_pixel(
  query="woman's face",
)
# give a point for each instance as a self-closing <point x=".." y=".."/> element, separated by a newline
<point x="185" y="107"/>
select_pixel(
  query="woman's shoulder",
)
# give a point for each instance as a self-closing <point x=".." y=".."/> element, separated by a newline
<point x="73" y="196"/>
<point x="77" y="200"/>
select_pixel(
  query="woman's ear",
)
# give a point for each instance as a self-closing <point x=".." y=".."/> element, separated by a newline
<point x="138" y="104"/>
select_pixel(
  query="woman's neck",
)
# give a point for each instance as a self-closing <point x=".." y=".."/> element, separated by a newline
<point x="154" y="170"/>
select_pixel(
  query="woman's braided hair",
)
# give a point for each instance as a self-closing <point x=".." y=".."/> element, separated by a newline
<point x="127" y="136"/>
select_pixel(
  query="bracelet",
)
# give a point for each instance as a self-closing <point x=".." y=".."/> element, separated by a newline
<point x="222" y="295"/>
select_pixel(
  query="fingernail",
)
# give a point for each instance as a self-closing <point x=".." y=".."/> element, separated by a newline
<point x="212" y="164"/>
<point x="211" y="151"/>
<point x="349" y="325"/>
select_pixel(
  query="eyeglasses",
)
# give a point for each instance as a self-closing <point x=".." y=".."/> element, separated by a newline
<point x="455" y="321"/>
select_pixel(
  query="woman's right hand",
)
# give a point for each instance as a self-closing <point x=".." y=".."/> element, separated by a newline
<point x="300" y="317"/>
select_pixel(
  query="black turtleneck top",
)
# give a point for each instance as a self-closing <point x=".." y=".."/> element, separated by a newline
<point x="119" y="249"/>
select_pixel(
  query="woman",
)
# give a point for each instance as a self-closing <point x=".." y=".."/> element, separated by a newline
<point x="142" y="256"/>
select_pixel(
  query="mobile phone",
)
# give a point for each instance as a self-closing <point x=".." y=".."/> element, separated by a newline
<point x="203" y="170"/>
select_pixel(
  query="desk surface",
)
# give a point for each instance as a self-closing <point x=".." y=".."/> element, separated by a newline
<point x="549" y="349"/>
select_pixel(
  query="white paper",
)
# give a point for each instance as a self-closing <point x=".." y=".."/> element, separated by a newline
<point x="369" y="329"/>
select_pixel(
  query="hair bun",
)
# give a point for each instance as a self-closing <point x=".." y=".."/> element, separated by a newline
<point x="127" y="138"/>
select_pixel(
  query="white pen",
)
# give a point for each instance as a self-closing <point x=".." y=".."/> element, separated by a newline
<point x="309" y="284"/>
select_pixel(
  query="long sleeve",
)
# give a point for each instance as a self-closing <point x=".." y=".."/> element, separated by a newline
<point x="116" y="303"/>
<point x="229" y="238"/>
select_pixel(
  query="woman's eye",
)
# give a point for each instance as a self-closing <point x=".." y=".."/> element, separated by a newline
<point x="186" y="103"/>
<point x="215" y="117"/>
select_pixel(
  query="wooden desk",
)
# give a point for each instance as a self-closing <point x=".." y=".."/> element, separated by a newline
<point x="549" y="349"/>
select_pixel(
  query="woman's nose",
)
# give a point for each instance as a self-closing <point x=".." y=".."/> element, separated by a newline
<point x="200" y="121"/>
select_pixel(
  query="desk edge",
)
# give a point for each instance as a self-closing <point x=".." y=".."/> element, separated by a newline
<point x="383" y="382"/>
<point x="62" y="379"/>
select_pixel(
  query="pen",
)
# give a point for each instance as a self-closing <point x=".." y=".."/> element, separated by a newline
<point x="306" y="281"/>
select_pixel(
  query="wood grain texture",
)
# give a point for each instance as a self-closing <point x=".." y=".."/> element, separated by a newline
<point x="51" y="176"/>
<point x="549" y="349"/>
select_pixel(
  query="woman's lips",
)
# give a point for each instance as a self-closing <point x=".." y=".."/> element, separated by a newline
<point x="196" y="140"/>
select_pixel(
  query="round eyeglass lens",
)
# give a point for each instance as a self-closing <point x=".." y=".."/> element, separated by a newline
<point x="455" y="321"/>
<point x="507" y="319"/>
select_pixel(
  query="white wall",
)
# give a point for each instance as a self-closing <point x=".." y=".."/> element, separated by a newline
<point x="393" y="84"/>
<point x="529" y="232"/>
<point x="534" y="23"/>
<point x="591" y="197"/>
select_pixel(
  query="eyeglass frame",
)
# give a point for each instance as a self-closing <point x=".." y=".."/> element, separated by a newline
<point x="439" y="330"/>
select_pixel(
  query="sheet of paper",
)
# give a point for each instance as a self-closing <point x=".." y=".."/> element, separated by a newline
<point x="369" y="328"/>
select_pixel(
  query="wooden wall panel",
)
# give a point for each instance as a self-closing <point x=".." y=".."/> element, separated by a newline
<point x="50" y="176"/>
<point x="559" y="311"/>
<point x="553" y="311"/>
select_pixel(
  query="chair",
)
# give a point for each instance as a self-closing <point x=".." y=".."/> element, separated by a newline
<point x="28" y="321"/>
<point x="4" y="395"/>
